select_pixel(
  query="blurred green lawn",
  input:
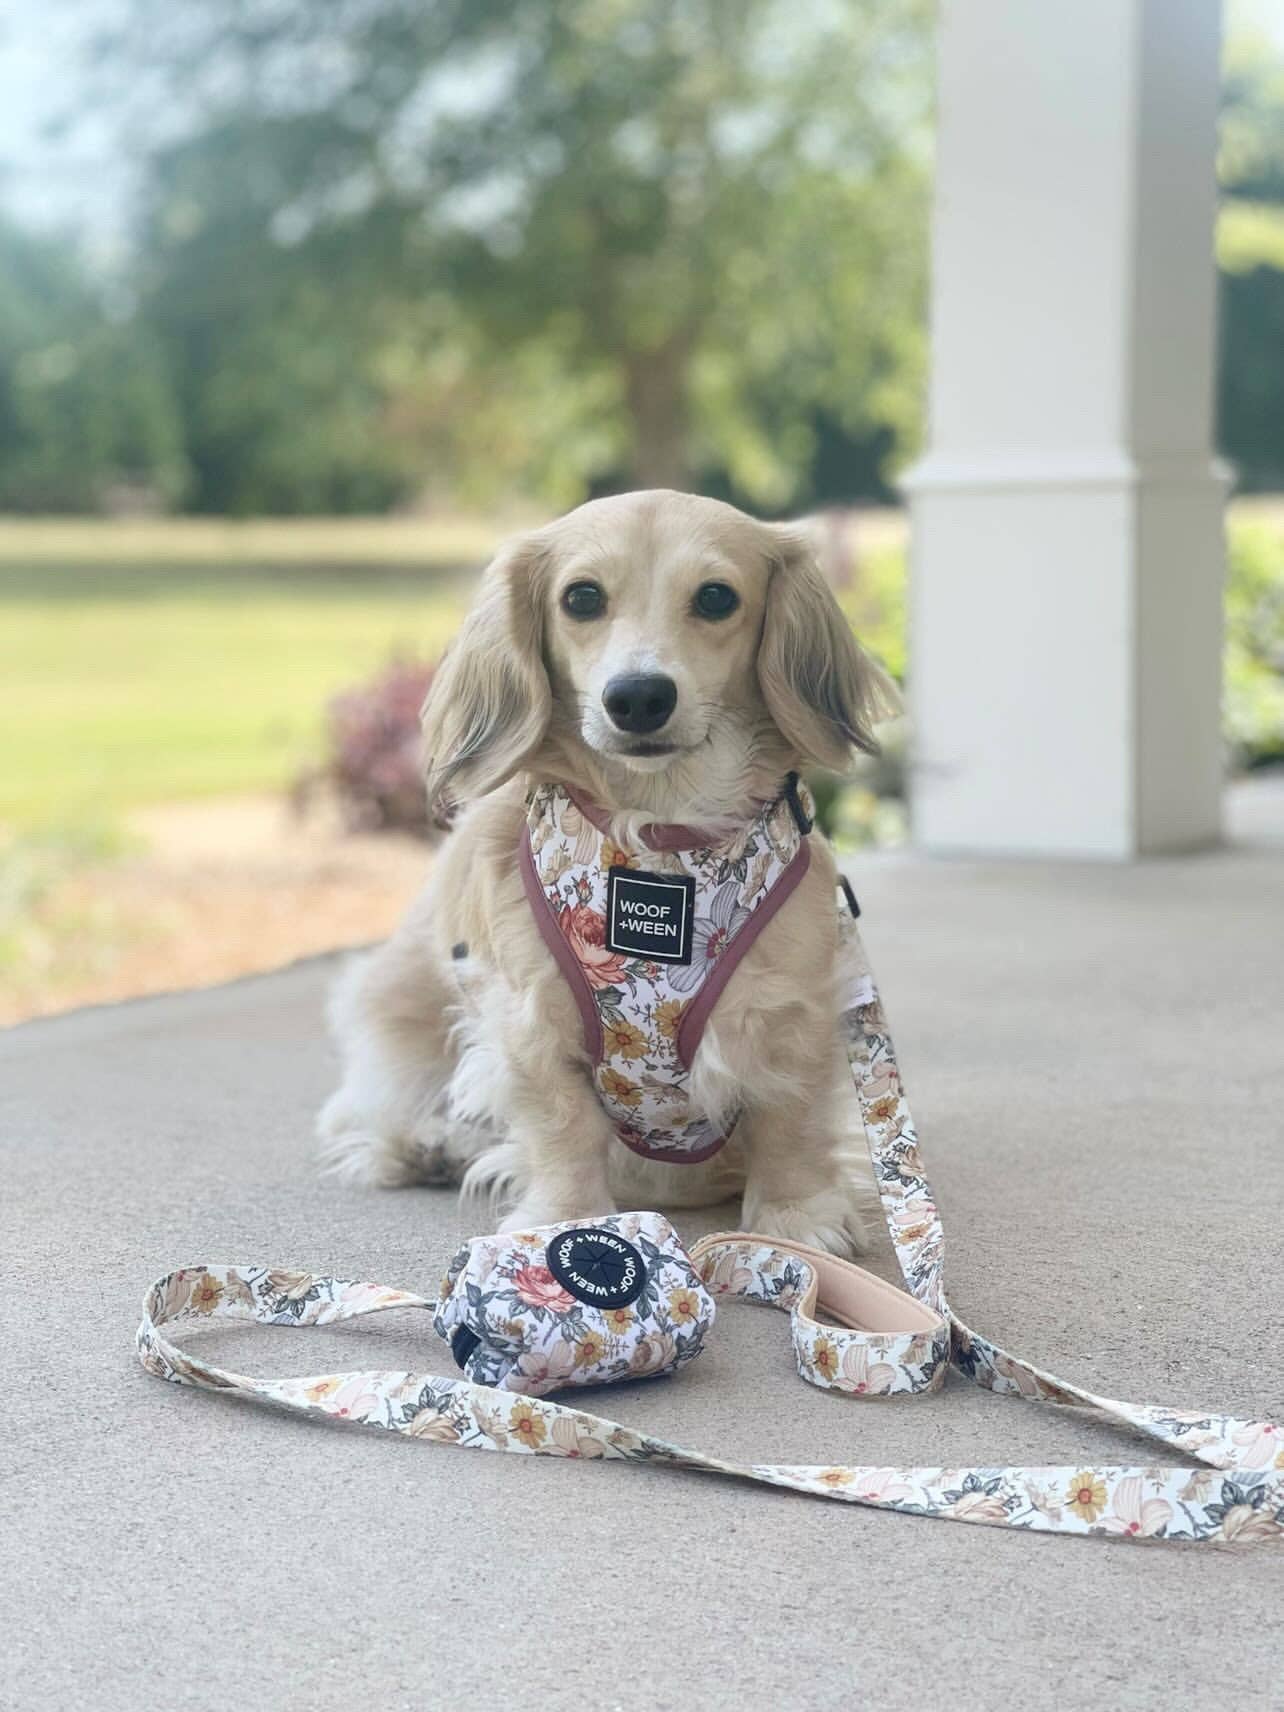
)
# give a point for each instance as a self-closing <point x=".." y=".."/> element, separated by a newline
<point x="126" y="682"/>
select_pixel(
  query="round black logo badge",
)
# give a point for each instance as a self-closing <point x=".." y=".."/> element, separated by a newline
<point x="597" y="1266"/>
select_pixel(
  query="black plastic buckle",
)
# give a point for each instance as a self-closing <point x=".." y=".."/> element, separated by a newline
<point x="846" y="887"/>
<point x="802" y="820"/>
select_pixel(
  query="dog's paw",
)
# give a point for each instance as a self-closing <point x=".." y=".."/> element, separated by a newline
<point x="498" y="1181"/>
<point x="830" y="1220"/>
<point x="351" y="1150"/>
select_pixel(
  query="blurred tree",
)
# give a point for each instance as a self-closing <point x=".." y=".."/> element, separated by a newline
<point x="86" y="412"/>
<point x="678" y="237"/>
<point x="1250" y="251"/>
<point x="274" y="346"/>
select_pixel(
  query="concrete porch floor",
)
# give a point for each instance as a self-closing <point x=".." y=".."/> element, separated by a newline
<point x="1096" y="1060"/>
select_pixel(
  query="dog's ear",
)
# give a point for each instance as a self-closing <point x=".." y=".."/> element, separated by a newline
<point x="822" y="691"/>
<point x="490" y="700"/>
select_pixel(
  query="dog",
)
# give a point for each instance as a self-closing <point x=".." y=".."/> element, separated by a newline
<point x="652" y="660"/>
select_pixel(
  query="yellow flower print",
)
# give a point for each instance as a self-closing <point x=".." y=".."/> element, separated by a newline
<point x="619" y="1321"/>
<point x="620" y="1039"/>
<point x="884" y="1109"/>
<point x="1086" y="1497"/>
<point x="668" y="1017"/>
<point x="684" y="1305"/>
<point x="590" y="1349"/>
<point x="323" y="1388"/>
<point x="615" y="856"/>
<point x="620" y="1089"/>
<point x="835" y="1477"/>
<point x="205" y="1294"/>
<point x="527" y="1426"/>
<point x="824" y="1358"/>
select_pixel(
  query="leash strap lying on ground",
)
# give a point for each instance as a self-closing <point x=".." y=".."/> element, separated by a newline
<point x="894" y="1344"/>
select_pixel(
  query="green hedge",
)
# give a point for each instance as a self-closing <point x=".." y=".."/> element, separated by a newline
<point x="1254" y="653"/>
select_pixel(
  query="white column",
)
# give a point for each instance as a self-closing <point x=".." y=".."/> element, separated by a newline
<point x="1066" y="521"/>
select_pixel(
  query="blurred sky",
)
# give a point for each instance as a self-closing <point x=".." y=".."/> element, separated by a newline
<point x="83" y="181"/>
<point x="80" y="181"/>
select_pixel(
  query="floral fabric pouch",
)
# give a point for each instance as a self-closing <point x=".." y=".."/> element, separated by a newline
<point x="574" y="1304"/>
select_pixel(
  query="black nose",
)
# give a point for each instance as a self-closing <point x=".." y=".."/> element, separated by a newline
<point x="640" y="702"/>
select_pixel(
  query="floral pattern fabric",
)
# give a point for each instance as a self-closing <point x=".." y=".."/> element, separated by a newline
<point x="1235" y="1494"/>
<point x="833" y="1357"/>
<point x="535" y="1336"/>
<point x="641" y="1073"/>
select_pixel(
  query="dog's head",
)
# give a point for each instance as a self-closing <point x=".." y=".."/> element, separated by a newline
<point x="663" y="648"/>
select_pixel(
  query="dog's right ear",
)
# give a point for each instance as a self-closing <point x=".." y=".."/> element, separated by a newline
<point x="490" y="700"/>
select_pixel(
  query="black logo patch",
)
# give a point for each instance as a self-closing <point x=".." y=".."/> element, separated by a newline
<point x="650" y="915"/>
<point x="597" y="1266"/>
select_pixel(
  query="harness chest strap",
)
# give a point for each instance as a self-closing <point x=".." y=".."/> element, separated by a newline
<point x="896" y="1343"/>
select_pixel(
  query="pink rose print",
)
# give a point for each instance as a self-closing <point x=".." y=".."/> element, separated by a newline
<point x="585" y="931"/>
<point x="538" y="1288"/>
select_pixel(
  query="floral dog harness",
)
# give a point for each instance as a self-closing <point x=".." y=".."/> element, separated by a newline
<point x="647" y="940"/>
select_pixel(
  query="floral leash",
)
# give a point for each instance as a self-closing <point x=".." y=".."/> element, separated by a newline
<point x="1237" y="1492"/>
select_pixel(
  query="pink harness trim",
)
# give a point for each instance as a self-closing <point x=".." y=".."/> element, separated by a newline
<point x="691" y="1029"/>
<point x="555" y="939"/>
<point x="657" y="836"/>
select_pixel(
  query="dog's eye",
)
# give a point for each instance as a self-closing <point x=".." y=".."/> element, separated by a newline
<point x="583" y="600"/>
<point x="716" y="600"/>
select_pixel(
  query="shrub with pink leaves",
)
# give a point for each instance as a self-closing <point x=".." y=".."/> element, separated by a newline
<point x="374" y="766"/>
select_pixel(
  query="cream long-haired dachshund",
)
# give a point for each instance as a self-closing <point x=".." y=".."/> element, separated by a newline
<point x="629" y="935"/>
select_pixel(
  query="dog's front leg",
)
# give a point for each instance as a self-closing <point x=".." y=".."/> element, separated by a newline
<point x="559" y="1141"/>
<point x="803" y="1180"/>
<point x="774" y="1053"/>
<point x="800" y="1184"/>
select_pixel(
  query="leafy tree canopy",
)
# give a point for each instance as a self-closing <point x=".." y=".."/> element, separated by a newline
<point x="84" y="408"/>
<point x="1250" y="250"/>
<point x="558" y="243"/>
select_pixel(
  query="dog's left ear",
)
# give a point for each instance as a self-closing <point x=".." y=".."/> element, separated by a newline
<point x="823" y="692"/>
